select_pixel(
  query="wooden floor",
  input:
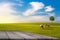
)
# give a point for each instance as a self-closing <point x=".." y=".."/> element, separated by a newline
<point x="21" y="35"/>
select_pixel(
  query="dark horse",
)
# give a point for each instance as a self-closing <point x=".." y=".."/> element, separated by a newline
<point x="47" y="25"/>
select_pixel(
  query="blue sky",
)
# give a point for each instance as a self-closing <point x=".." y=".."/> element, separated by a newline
<point x="29" y="10"/>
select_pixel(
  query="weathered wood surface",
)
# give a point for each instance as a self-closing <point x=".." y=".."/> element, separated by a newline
<point x="21" y="35"/>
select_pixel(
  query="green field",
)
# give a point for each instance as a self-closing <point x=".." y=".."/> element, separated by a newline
<point x="54" y="30"/>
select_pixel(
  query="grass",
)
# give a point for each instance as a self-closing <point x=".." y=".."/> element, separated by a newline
<point x="53" y="31"/>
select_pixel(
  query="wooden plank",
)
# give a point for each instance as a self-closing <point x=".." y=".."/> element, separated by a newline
<point x="3" y="35"/>
<point x="14" y="36"/>
<point x="25" y="35"/>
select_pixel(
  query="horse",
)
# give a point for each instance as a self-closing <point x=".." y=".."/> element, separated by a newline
<point x="41" y="25"/>
<point x="47" y="25"/>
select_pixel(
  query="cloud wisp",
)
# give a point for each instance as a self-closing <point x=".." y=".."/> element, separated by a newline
<point x="5" y="13"/>
<point x="48" y="9"/>
<point x="35" y="6"/>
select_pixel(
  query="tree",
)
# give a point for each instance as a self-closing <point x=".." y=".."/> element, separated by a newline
<point x="52" y="18"/>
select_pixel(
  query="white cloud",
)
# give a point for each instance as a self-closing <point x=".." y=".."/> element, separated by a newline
<point x="39" y="19"/>
<point x="28" y="12"/>
<point x="5" y="13"/>
<point x="7" y="17"/>
<point x="34" y="19"/>
<point x="35" y="6"/>
<point x="48" y="9"/>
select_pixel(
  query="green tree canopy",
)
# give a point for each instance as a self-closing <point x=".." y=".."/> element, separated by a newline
<point x="52" y="18"/>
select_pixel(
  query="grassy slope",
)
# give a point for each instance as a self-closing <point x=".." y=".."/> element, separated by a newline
<point x="54" y="30"/>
